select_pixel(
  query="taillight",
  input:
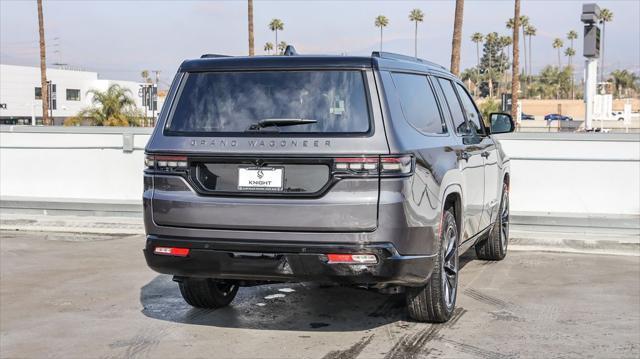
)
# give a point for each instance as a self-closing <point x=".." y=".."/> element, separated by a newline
<point x="166" y="163"/>
<point x="396" y="165"/>
<point x="356" y="165"/>
<point x="171" y="251"/>
<point x="387" y="166"/>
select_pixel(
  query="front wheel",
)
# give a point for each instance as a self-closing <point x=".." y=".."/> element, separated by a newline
<point x="435" y="301"/>
<point x="494" y="248"/>
<point x="207" y="293"/>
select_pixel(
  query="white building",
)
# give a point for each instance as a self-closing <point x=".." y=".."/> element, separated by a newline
<point x="20" y="88"/>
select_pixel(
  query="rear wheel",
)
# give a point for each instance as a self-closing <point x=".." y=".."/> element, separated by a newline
<point x="207" y="293"/>
<point x="435" y="301"/>
<point x="494" y="248"/>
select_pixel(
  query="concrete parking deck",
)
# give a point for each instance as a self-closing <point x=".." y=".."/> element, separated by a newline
<point x="90" y="296"/>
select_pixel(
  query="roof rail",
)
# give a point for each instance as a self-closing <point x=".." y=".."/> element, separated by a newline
<point x="394" y="56"/>
<point x="209" y="56"/>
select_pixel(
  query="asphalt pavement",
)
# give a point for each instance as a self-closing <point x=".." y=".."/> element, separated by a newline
<point x="91" y="296"/>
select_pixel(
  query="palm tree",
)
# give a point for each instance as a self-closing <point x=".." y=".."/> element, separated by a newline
<point x="477" y="38"/>
<point x="524" y="22"/>
<point x="530" y="31"/>
<point x="572" y="35"/>
<point x="250" y="22"/>
<point x="456" y="40"/>
<point x="506" y="41"/>
<point x="558" y="44"/>
<point x="381" y="22"/>
<point x="275" y="25"/>
<point x="44" y="85"/>
<point x="606" y="16"/>
<point x="268" y="46"/>
<point x="570" y="52"/>
<point x="624" y="80"/>
<point x="281" y="47"/>
<point x="515" y="69"/>
<point x="491" y="38"/>
<point x="113" y="107"/>
<point x="416" y="15"/>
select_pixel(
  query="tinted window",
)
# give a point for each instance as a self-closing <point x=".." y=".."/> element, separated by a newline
<point x="454" y="106"/>
<point x="470" y="110"/>
<point x="419" y="103"/>
<point x="223" y="102"/>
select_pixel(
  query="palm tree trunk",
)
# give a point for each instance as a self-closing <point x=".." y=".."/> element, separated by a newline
<point x="276" y="44"/>
<point x="380" y="38"/>
<point x="604" y="23"/>
<point x="250" y="18"/>
<point x="515" y="70"/>
<point x="43" y="68"/>
<point x="415" y="40"/>
<point x="524" y="47"/>
<point x="530" y="61"/>
<point x="490" y="72"/>
<point x="477" y="67"/>
<point x="559" y="61"/>
<point x="457" y="37"/>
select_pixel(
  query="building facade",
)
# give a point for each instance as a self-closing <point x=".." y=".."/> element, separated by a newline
<point x="20" y="93"/>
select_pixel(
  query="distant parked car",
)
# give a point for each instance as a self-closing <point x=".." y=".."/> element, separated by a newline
<point x="527" y="117"/>
<point x="557" y="117"/>
<point x="619" y="115"/>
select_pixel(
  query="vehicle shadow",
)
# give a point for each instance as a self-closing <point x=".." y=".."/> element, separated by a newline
<point x="286" y="306"/>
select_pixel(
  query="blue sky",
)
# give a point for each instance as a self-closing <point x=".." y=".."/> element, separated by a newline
<point x="120" y="38"/>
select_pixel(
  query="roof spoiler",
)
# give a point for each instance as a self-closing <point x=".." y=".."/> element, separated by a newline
<point x="211" y="56"/>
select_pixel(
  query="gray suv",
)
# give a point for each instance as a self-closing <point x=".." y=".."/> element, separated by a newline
<point x="368" y="171"/>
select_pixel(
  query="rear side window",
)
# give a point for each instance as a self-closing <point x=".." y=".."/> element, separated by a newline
<point x="419" y="103"/>
<point x="457" y="113"/>
<point x="470" y="109"/>
<point x="230" y="102"/>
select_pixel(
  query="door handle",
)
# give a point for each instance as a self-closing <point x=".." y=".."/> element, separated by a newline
<point x="465" y="156"/>
<point x="485" y="154"/>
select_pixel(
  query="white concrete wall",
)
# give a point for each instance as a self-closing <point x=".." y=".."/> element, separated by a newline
<point x="581" y="174"/>
<point x="592" y="174"/>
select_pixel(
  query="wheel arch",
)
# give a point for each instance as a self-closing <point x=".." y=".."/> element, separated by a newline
<point x="453" y="198"/>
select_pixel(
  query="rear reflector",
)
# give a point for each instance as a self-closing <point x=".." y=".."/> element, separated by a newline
<point x="172" y="251"/>
<point x="352" y="258"/>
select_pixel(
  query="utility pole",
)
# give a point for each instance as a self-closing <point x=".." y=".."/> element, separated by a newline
<point x="43" y="68"/>
<point x="591" y="52"/>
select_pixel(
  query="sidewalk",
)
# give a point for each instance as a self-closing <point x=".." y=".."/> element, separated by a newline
<point x="527" y="233"/>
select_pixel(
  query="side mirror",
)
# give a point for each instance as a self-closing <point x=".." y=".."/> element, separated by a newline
<point x="501" y="123"/>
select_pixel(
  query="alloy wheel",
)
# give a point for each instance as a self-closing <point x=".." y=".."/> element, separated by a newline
<point x="504" y="221"/>
<point x="451" y="263"/>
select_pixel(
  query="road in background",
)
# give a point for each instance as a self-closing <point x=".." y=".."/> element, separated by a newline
<point x="90" y="296"/>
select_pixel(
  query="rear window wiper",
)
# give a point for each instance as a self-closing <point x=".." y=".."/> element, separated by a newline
<point x="279" y="122"/>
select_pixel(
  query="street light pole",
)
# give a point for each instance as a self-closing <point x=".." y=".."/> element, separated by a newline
<point x="591" y="51"/>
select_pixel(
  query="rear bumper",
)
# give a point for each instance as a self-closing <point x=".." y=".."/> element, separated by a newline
<point x="284" y="262"/>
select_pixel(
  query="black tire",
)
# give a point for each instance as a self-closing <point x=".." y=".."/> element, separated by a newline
<point x="435" y="301"/>
<point x="494" y="248"/>
<point x="207" y="293"/>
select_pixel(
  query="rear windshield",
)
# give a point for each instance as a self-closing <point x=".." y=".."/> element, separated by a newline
<point x="231" y="102"/>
